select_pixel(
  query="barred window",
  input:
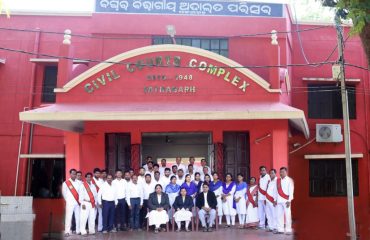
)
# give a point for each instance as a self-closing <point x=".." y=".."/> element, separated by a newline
<point x="49" y="83"/>
<point x="216" y="45"/>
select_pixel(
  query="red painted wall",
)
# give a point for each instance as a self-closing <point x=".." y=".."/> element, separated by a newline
<point x="326" y="217"/>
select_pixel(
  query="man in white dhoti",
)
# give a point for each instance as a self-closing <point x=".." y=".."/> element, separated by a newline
<point x="240" y="199"/>
<point x="88" y="199"/>
<point x="158" y="205"/>
<point x="262" y="186"/>
<point x="98" y="182"/>
<point x="252" y="220"/>
<point x="70" y="190"/>
<point x="228" y="209"/>
<point x="285" y="191"/>
<point x="206" y="202"/>
<point x="270" y="202"/>
<point x="183" y="206"/>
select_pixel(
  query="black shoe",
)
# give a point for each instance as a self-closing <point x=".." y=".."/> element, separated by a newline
<point x="209" y="229"/>
<point x="205" y="229"/>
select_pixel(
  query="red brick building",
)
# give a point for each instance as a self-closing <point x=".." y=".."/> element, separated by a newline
<point x="120" y="90"/>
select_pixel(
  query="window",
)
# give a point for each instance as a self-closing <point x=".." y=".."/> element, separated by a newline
<point x="49" y="83"/>
<point x="325" y="102"/>
<point x="328" y="178"/>
<point x="216" y="45"/>
<point x="48" y="176"/>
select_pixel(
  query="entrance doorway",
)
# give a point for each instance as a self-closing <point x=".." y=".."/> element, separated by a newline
<point x="118" y="151"/>
<point x="172" y="145"/>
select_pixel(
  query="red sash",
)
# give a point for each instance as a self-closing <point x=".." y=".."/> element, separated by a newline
<point x="269" y="197"/>
<point x="73" y="190"/>
<point x="261" y="190"/>
<point x="250" y="197"/>
<point x="280" y="190"/>
<point x="91" y="196"/>
<point x="96" y="185"/>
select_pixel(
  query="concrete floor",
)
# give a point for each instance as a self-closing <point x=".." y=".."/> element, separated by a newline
<point x="230" y="234"/>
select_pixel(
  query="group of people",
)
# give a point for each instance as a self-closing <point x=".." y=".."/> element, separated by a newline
<point x="159" y="193"/>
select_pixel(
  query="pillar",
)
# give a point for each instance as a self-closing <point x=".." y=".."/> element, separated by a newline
<point x="135" y="150"/>
<point x="218" y="152"/>
<point x="280" y="147"/>
<point x="65" y="64"/>
<point x="73" y="151"/>
<point x="274" y="59"/>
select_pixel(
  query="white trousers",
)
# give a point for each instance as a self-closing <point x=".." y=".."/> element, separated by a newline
<point x="179" y="224"/>
<point x="202" y="217"/>
<point x="262" y="212"/>
<point x="271" y="215"/>
<point x="242" y="218"/>
<point x="87" y="214"/>
<point x="281" y="211"/>
<point x="70" y="209"/>
<point x="100" y="219"/>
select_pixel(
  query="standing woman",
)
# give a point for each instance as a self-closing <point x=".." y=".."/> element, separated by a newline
<point x="252" y="220"/>
<point x="216" y="187"/>
<point x="228" y="190"/>
<point x="172" y="190"/>
<point x="240" y="198"/>
<point x="158" y="204"/>
<point x="191" y="188"/>
<point x="198" y="182"/>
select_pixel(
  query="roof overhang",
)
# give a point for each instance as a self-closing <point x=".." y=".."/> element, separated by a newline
<point x="332" y="156"/>
<point x="71" y="117"/>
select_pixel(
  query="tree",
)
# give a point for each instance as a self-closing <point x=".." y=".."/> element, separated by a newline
<point x="359" y="12"/>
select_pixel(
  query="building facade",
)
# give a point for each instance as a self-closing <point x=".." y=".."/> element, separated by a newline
<point x="224" y="89"/>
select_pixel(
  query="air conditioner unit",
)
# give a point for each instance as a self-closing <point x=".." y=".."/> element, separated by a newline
<point x="328" y="133"/>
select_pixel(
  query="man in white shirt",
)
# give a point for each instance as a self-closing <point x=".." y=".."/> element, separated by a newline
<point x="180" y="177"/>
<point x="120" y="187"/>
<point x="166" y="178"/>
<point x="174" y="171"/>
<point x="262" y="186"/>
<point x="270" y="202"/>
<point x="163" y="166"/>
<point x="148" y="159"/>
<point x="98" y="182"/>
<point x="285" y="191"/>
<point x="180" y="165"/>
<point x="148" y="188"/>
<point x="157" y="178"/>
<point x="135" y="199"/>
<point x="70" y="190"/>
<point x="205" y="172"/>
<point x="203" y="164"/>
<point x="141" y="177"/>
<point x="191" y="171"/>
<point x="195" y="167"/>
<point x="107" y="199"/>
<point x="87" y="197"/>
<point x="206" y="201"/>
<point x="150" y="169"/>
<point x="79" y="176"/>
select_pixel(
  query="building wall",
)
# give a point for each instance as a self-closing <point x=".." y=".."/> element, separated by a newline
<point x="326" y="217"/>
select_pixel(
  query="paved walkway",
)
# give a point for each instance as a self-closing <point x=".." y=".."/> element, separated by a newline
<point x="230" y="234"/>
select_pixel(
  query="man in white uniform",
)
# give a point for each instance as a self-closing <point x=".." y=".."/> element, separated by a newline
<point x="88" y="197"/>
<point x="148" y="159"/>
<point x="203" y="164"/>
<point x="141" y="177"/>
<point x="285" y="191"/>
<point x="180" y="165"/>
<point x="120" y="187"/>
<point x="70" y="190"/>
<point x="163" y="166"/>
<point x="180" y="177"/>
<point x="166" y="178"/>
<point x="107" y="199"/>
<point x="135" y="199"/>
<point x="195" y="167"/>
<point x="98" y="182"/>
<point x="270" y="202"/>
<point x="262" y="186"/>
<point x="148" y="188"/>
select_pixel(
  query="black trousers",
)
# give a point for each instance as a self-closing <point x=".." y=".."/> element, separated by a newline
<point x="143" y="213"/>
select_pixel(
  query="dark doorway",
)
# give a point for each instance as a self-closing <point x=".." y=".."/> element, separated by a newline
<point x="237" y="153"/>
<point x="118" y="151"/>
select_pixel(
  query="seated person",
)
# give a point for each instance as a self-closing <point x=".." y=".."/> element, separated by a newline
<point x="207" y="203"/>
<point x="183" y="206"/>
<point x="158" y="203"/>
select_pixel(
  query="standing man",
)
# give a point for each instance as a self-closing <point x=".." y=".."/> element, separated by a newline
<point x="166" y="178"/>
<point x="103" y="175"/>
<point x="107" y="199"/>
<point x="98" y="182"/>
<point x="157" y="178"/>
<point x="70" y="190"/>
<point x="174" y="170"/>
<point x="148" y="188"/>
<point x="180" y="165"/>
<point x="135" y="198"/>
<point x="285" y="191"/>
<point x="87" y="197"/>
<point x="270" y="202"/>
<point x="148" y="159"/>
<point x="150" y="169"/>
<point x="191" y="171"/>
<point x="205" y="172"/>
<point x="206" y="201"/>
<point x="127" y="210"/>
<point x="79" y="176"/>
<point x="120" y="187"/>
<point x="195" y="167"/>
<point x="203" y="164"/>
<point x="141" y="177"/>
<point x="163" y="166"/>
<point x="262" y="186"/>
<point x="180" y="177"/>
